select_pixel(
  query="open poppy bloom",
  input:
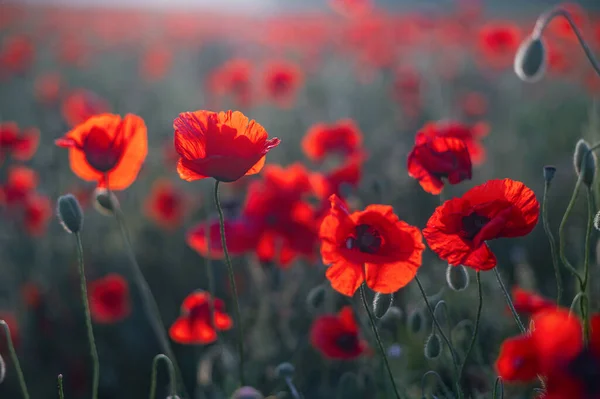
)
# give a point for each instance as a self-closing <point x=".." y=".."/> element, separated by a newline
<point x="471" y="135"/>
<point x="166" y="205"/>
<point x="498" y="43"/>
<point x="371" y="246"/>
<point x="336" y="336"/>
<point x="341" y="137"/>
<point x="20" y="145"/>
<point x="458" y="229"/>
<point x="530" y="302"/>
<point x="195" y="326"/>
<point x="109" y="299"/>
<point x="225" y="146"/>
<point x="107" y="145"/>
<point x="282" y="80"/>
<point x="80" y="105"/>
<point x="20" y="182"/>
<point x="434" y="158"/>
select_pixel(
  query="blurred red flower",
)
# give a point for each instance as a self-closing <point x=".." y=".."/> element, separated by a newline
<point x="562" y="29"/>
<point x="348" y="174"/>
<point x="530" y="302"/>
<point x="471" y="135"/>
<point x="337" y="336"/>
<point x="166" y="205"/>
<point x="351" y="8"/>
<point x="322" y="139"/>
<point x="233" y="78"/>
<point x="156" y="62"/>
<point x="20" y="183"/>
<point x="282" y="80"/>
<point x="474" y="104"/>
<point x="107" y="145"/>
<point x="458" y="230"/>
<point x="48" y="87"/>
<point x="37" y="212"/>
<point x="18" y="144"/>
<point x="371" y="246"/>
<point x="434" y="158"/>
<point x="498" y="43"/>
<point x="225" y="146"/>
<point x="80" y="104"/>
<point x="195" y="325"/>
<point x="17" y="53"/>
<point x="109" y="299"/>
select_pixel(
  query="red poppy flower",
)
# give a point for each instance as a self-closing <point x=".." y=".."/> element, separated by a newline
<point x="351" y="8"/>
<point x="371" y="245"/>
<point x="80" y="105"/>
<point x="336" y="336"/>
<point x="233" y="78"/>
<point x="518" y="360"/>
<point x="107" y="145"/>
<point x="474" y="104"/>
<point x="458" y="230"/>
<point x="17" y="53"/>
<point x="529" y="302"/>
<point x="20" y="145"/>
<point x="225" y="146"/>
<point x="37" y="212"/>
<point x="20" y="183"/>
<point x="498" y="43"/>
<point x="282" y="80"/>
<point x="348" y="174"/>
<point x="47" y="88"/>
<point x="109" y="299"/>
<point x="166" y="205"/>
<point x="195" y="326"/>
<point x="469" y="134"/>
<point x="434" y="158"/>
<point x="155" y="63"/>
<point x="340" y="137"/>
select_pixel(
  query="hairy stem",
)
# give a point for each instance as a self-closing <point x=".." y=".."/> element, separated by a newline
<point x="509" y="301"/>
<point x="172" y="378"/>
<point x="15" y="359"/>
<point x="559" y="288"/>
<point x="476" y="329"/>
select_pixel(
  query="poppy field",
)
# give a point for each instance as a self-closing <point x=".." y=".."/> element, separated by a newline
<point x="342" y="202"/>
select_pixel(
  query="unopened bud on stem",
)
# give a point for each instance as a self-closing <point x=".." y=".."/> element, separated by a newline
<point x="584" y="162"/>
<point x="549" y="172"/>
<point x="69" y="213"/>
<point x="530" y="60"/>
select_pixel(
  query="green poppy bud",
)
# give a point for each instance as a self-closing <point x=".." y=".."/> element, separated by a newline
<point x="382" y="303"/>
<point x="457" y="277"/>
<point x="69" y="213"/>
<point x="584" y="162"/>
<point x="433" y="346"/>
<point x="530" y="60"/>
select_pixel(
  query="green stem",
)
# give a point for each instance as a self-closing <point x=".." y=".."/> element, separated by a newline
<point x="574" y="302"/>
<point x="238" y="318"/>
<point x="15" y="359"/>
<point x="363" y="296"/>
<point x="499" y="382"/>
<point x="172" y="378"/>
<point x="439" y="379"/>
<point x="459" y="392"/>
<point x="586" y="268"/>
<point x="88" y="318"/>
<point x="476" y="329"/>
<point x="559" y="288"/>
<point x="561" y="230"/>
<point x="61" y="391"/>
<point x="509" y="301"/>
<point x="211" y="279"/>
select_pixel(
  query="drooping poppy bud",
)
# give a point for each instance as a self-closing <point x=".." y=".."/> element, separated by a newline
<point x="530" y="60"/>
<point x="457" y="277"/>
<point x="433" y="346"/>
<point x="382" y="303"/>
<point x="285" y="370"/>
<point x="416" y="320"/>
<point x="549" y="172"/>
<point x="70" y="214"/>
<point x="103" y="203"/>
<point x="584" y="162"/>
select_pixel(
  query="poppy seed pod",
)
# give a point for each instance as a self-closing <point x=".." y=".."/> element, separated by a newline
<point x="457" y="277"/>
<point x="103" y="203"/>
<point x="549" y="172"/>
<point x="433" y="346"/>
<point x="530" y="60"/>
<point x="315" y="298"/>
<point x="382" y="303"/>
<point x="69" y="213"/>
<point x="584" y="162"/>
<point x="247" y="393"/>
<point x="285" y="370"/>
<point x="597" y="221"/>
<point x="416" y="321"/>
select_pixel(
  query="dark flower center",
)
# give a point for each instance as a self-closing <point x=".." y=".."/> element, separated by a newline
<point x="472" y="224"/>
<point x="112" y="299"/>
<point x="102" y="152"/>
<point x="199" y="312"/>
<point x="366" y="239"/>
<point x="347" y="342"/>
<point x="586" y="368"/>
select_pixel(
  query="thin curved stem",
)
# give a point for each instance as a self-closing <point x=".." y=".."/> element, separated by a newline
<point x="61" y="391"/>
<point x="545" y="19"/>
<point x="88" y="318"/>
<point x="437" y="376"/>
<point x="15" y="359"/>
<point x="238" y="318"/>
<point x="363" y="297"/>
<point x="444" y="337"/>
<point x="292" y="388"/>
<point x="499" y="382"/>
<point x="559" y="288"/>
<point x="211" y="280"/>
<point x="561" y="229"/>
<point x="575" y="301"/>
<point x="586" y="268"/>
<point x="509" y="301"/>
<point x="443" y="304"/>
<point x="172" y="378"/>
<point x="476" y="329"/>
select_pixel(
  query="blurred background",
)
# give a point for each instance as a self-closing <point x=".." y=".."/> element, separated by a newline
<point x="391" y="66"/>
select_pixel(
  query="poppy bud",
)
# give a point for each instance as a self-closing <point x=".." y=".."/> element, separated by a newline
<point x="597" y="221"/>
<point x="457" y="277"/>
<point x="416" y="321"/>
<point x="315" y="298"/>
<point x="103" y="203"/>
<point x="382" y="303"/>
<point x="2" y="369"/>
<point x="530" y="61"/>
<point x="433" y="346"/>
<point x="584" y="162"/>
<point x="285" y="370"/>
<point x="549" y="172"/>
<point x="247" y="393"/>
<point x="69" y="213"/>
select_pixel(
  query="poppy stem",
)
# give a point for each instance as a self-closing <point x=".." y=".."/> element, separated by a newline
<point x="440" y="381"/>
<point x="150" y="306"/>
<point x="363" y="296"/>
<point x="476" y="329"/>
<point x="172" y="378"/>
<point x="548" y="16"/>
<point x="292" y="388"/>
<point x="211" y="280"/>
<point x="559" y="288"/>
<point x="61" y="391"/>
<point x="88" y="318"/>
<point x="459" y="392"/>
<point x="561" y="230"/>
<point x="509" y="301"/>
<point x="15" y="359"/>
<point x="238" y="319"/>
<point x="584" y="302"/>
<point x="498" y="382"/>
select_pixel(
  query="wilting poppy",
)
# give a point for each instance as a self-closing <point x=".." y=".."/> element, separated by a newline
<point x="19" y="144"/>
<point x="470" y="134"/>
<point x="109" y="299"/>
<point x="435" y="158"/>
<point x="458" y="230"/>
<point x="107" y="145"/>
<point x="37" y="211"/>
<point x="166" y="205"/>
<point x="225" y="146"/>
<point x="282" y="80"/>
<point x="195" y="325"/>
<point x="337" y="336"/>
<point x="80" y="105"/>
<point x="498" y="43"/>
<point x="530" y="302"/>
<point x="20" y="183"/>
<point x="371" y="246"/>
<point x="341" y="137"/>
